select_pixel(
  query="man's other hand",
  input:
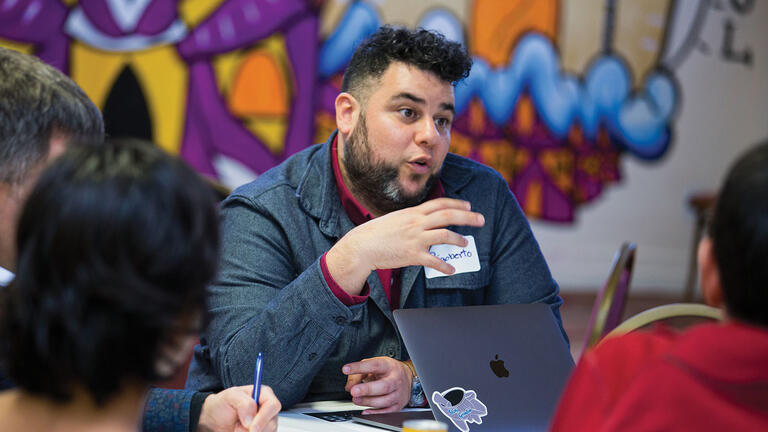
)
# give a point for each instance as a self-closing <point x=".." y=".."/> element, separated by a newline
<point x="380" y="382"/>
<point x="234" y="410"/>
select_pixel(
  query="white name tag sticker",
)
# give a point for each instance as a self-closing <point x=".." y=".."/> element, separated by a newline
<point x="463" y="259"/>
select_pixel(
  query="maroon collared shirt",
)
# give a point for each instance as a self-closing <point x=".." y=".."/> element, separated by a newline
<point x="390" y="278"/>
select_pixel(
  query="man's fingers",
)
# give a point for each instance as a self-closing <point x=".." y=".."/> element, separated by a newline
<point x="382" y="402"/>
<point x="445" y="236"/>
<point x="271" y="426"/>
<point x="266" y="395"/>
<point x="245" y="408"/>
<point x="373" y="388"/>
<point x="367" y="366"/>
<point x="352" y="380"/>
<point x="436" y="263"/>
<point x="443" y="203"/>
<point x="393" y="408"/>
<point x="446" y="217"/>
<point x="269" y="407"/>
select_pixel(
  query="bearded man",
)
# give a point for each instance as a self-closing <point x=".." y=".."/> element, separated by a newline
<point x="318" y="251"/>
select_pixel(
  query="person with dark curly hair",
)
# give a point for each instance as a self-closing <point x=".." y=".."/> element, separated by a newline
<point x="42" y="113"/>
<point x="116" y="245"/>
<point x="318" y="251"/>
<point x="711" y="377"/>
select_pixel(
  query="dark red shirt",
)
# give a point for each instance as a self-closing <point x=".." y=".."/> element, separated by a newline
<point x="390" y="278"/>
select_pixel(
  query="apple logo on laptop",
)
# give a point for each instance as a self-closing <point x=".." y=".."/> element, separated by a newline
<point x="497" y="366"/>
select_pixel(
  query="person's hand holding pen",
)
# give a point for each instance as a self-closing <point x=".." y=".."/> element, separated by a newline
<point x="241" y="409"/>
<point x="234" y="410"/>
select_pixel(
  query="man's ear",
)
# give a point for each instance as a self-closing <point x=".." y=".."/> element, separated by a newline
<point x="5" y="190"/>
<point x="709" y="273"/>
<point x="347" y="112"/>
<point x="57" y="144"/>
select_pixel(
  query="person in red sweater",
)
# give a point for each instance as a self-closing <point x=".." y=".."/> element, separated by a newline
<point x="713" y="377"/>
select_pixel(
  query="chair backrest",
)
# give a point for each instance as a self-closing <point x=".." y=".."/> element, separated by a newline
<point x="608" y="308"/>
<point x="677" y="315"/>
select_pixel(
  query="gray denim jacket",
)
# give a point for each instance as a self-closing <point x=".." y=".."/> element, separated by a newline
<point x="270" y="294"/>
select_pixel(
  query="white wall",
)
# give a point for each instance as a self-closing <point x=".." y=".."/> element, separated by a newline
<point x="724" y="110"/>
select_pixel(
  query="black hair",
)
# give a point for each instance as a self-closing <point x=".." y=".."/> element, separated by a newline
<point x="739" y="233"/>
<point x="117" y="243"/>
<point x="427" y="50"/>
<point x="36" y="100"/>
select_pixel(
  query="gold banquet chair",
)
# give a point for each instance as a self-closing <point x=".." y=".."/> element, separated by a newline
<point x="608" y="308"/>
<point x="676" y="315"/>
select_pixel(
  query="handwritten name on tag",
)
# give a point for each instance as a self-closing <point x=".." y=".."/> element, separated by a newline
<point x="463" y="259"/>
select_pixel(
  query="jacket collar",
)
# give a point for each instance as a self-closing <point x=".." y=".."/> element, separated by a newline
<point x="318" y="195"/>
<point x="455" y="174"/>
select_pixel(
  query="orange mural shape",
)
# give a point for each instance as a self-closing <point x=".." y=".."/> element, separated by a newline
<point x="259" y="88"/>
<point x="533" y="200"/>
<point x="500" y="155"/>
<point x="496" y="26"/>
<point x="525" y="116"/>
<point x="461" y="144"/>
<point x="558" y="164"/>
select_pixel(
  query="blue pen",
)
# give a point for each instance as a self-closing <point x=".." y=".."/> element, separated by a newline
<point x="257" y="370"/>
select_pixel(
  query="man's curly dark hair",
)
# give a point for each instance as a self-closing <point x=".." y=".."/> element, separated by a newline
<point x="427" y="50"/>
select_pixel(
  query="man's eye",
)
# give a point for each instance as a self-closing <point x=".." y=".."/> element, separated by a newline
<point x="443" y="122"/>
<point x="408" y="113"/>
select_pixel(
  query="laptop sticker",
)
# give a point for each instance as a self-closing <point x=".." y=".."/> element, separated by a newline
<point x="461" y="406"/>
<point x="463" y="259"/>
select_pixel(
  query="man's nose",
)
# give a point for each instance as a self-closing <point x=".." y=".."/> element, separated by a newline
<point x="427" y="133"/>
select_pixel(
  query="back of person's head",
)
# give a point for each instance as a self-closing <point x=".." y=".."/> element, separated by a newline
<point x="427" y="50"/>
<point x="117" y="243"/>
<point x="36" y="101"/>
<point x="739" y="233"/>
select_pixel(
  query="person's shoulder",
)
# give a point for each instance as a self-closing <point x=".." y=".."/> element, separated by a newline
<point x="651" y="342"/>
<point x="632" y="351"/>
<point x="603" y="375"/>
<point x="282" y="178"/>
<point x="687" y="380"/>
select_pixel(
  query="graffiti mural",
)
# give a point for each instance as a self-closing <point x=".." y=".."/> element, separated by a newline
<point x="559" y="93"/>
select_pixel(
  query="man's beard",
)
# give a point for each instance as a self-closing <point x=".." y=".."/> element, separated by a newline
<point x="375" y="183"/>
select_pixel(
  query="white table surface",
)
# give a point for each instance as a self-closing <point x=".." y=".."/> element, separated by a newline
<point x="295" y="419"/>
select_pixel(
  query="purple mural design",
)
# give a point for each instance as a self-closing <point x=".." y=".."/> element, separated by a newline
<point x="556" y="136"/>
<point x="210" y="127"/>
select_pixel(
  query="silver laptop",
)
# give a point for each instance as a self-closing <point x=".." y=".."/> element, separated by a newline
<point x="488" y="368"/>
